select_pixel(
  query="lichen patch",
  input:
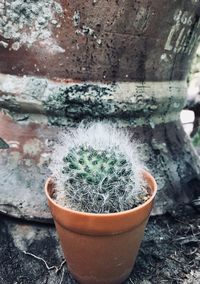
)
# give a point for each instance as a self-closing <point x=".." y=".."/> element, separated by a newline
<point x="32" y="147"/>
<point x="28" y="21"/>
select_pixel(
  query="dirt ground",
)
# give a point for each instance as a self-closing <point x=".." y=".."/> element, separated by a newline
<point x="170" y="252"/>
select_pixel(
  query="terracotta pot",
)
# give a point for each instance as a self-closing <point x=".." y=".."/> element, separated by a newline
<point x="101" y="248"/>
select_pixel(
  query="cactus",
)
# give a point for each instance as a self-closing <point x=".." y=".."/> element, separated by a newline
<point x="92" y="166"/>
<point x="98" y="174"/>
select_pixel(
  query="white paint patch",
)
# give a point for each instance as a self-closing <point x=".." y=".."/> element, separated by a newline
<point x="187" y="119"/>
<point x="187" y="116"/>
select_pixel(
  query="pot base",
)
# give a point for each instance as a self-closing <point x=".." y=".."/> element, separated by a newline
<point x="107" y="259"/>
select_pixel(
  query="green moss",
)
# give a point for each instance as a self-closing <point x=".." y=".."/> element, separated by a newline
<point x="196" y="139"/>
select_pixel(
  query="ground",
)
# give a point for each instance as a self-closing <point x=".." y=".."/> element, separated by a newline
<point x="30" y="253"/>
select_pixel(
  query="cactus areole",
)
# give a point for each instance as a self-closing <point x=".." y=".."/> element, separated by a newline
<point x="98" y="173"/>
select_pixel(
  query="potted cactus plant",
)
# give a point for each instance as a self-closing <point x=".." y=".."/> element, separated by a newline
<point x="100" y="198"/>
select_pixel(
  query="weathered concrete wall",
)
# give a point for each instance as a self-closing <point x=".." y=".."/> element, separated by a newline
<point x="127" y="61"/>
<point x="101" y="40"/>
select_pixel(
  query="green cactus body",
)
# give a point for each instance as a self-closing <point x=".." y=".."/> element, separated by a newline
<point x="93" y="166"/>
<point x="100" y="176"/>
<point x="97" y="169"/>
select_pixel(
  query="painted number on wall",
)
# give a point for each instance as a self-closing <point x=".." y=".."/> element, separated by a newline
<point x="183" y="34"/>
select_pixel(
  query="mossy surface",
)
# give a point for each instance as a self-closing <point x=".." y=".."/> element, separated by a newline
<point x="196" y="139"/>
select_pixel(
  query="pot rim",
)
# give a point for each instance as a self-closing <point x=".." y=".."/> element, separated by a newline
<point x="145" y="174"/>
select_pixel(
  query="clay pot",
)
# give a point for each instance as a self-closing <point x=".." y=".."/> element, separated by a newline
<point x="101" y="248"/>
